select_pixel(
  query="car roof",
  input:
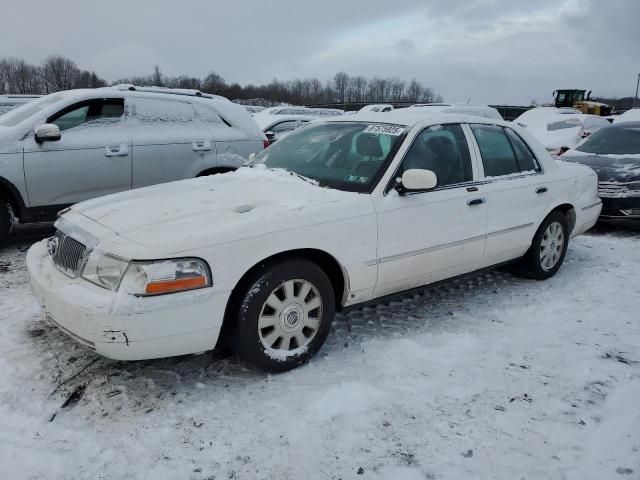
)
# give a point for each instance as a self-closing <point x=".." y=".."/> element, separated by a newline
<point x="629" y="124"/>
<point x="270" y="120"/>
<point x="411" y="118"/>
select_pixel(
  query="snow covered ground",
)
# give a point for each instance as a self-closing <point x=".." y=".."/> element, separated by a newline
<point x="491" y="377"/>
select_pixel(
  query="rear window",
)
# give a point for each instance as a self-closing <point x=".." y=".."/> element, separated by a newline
<point x="563" y="124"/>
<point x="613" y="141"/>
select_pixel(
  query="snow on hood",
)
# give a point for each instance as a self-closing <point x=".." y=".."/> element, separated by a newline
<point x="187" y="214"/>
<point x="610" y="168"/>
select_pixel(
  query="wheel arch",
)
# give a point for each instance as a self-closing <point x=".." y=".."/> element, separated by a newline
<point x="569" y="212"/>
<point x="10" y="193"/>
<point x="327" y="262"/>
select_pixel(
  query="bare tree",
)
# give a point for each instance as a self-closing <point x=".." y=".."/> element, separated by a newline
<point x="59" y="73"/>
<point x="213" y="83"/>
<point x="340" y="84"/>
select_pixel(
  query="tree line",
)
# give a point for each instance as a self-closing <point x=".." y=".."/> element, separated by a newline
<point x="57" y="73"/>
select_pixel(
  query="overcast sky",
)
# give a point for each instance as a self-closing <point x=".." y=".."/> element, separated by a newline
<point x="491" y="51"/>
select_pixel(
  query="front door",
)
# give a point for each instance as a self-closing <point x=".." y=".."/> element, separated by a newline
<point x="428" y="236"/>
<point x="91" y="159"/>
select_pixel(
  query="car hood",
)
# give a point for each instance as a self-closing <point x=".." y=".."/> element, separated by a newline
<point x="610" y="168"/>
<point x="188" y="214"/>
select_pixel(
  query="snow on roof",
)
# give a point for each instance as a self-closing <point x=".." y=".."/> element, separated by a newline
<point x="632" y="115"/>
<point x="410" y="117"/>
<point x="268" y="121"/>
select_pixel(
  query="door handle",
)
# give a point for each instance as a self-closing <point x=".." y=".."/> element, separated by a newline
<point x="120" y="151"/>
<point x="476" y="201"/>
<point x="203" y="146"/>
<point x="541" y="190"/>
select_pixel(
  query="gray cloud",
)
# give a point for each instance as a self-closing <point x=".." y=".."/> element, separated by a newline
<point x="506" y="51"/>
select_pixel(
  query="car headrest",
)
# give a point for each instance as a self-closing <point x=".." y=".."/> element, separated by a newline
<point x="368" y="145"/>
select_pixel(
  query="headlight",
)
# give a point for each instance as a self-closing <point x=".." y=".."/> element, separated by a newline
<point x="166" y="276"/>
<point x="104" y="270"/>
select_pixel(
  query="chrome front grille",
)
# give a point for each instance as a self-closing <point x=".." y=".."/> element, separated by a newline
<point x="612" y="189"/>
<point x="67" y="253"/>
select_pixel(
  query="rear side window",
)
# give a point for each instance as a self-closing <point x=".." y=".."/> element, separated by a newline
<point x="150" y="110"/>
<point x="564" y="124"/>
<point x="524" y="156"/>
<point x="208" y="115"/>
<point x="503" y="151"/>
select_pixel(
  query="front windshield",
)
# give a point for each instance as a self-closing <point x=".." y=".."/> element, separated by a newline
<point x="343" y="155"/>
<point x="14" y="117"/>
<point x="613" y="140"/>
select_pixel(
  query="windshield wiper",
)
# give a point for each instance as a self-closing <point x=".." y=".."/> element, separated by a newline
<point x="306" y="179"/>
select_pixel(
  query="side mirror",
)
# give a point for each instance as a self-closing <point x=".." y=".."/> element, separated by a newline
<point x="47" y="132"/>
<point x="417" y="180"/>
<point x="271" y="136"/>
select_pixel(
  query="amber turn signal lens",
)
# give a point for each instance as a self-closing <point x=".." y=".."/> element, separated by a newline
<point x="178" y="285"/>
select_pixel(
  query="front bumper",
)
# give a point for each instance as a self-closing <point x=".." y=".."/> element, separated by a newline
<point x="120" y="326"/>
<point x="621" y="210"/>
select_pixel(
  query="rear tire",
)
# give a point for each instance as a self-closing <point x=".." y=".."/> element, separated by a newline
<point x="284" y="316"/>
<point x="548" y="248"/>
<point x="6" y="221"/>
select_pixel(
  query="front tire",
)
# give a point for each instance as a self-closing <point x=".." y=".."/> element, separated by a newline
<point x="548" y="248"/>
<point x="283" y="316"/>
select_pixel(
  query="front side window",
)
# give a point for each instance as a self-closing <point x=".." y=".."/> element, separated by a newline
<point x="443" y="150"/>
<point x="498" y="154"/>
<point x="347" y="156"/>
<point x="108" y="110"/>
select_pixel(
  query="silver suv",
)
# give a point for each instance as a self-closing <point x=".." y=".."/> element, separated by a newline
<point x="70" y="146"/>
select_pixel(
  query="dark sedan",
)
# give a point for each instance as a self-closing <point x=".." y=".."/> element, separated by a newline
<point x="614" y="153"/>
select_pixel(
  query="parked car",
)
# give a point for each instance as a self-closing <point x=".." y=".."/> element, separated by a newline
<point x="462" y="109"/>
<point x="632" y="115"/>
<point x="614" y="153"/>
<point x="276" y="126"/>
<point x="253" y="109"/>
<point x="294" y="110"/>
<point x="9" y="102"/>
<point x="377" y="108"/>
<point x="71" y="146"/>
<point x="337" y="213"/>
<point x="559" y="129"/>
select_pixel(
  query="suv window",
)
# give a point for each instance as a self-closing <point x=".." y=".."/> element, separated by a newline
<point x="442" y="149"/>
<point x="164" y="111"/>
<point x="88" y="111"/>
<point x="503" y="151"/>
<point x="208" y="115"/>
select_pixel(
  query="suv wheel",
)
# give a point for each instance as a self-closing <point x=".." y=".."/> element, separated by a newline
<point x="6" y="221"/>
<point x="548" y="248"/>
<point x="284" y="316"/>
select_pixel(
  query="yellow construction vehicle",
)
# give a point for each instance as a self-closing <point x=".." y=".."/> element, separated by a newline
<point x="578" y="100"/>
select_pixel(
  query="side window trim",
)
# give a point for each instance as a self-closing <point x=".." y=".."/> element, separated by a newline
<point x="474" y="181"/>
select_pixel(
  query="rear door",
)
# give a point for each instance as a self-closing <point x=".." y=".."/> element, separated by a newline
<point x="170" y="141"/>
<point x="91" y="159"/>
<point x="515" y="188"/>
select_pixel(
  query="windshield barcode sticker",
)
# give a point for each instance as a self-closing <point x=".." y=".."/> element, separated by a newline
<point x="384" y="129"/>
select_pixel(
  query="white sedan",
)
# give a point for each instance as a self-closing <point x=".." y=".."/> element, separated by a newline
<point x="337" y="213"/>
